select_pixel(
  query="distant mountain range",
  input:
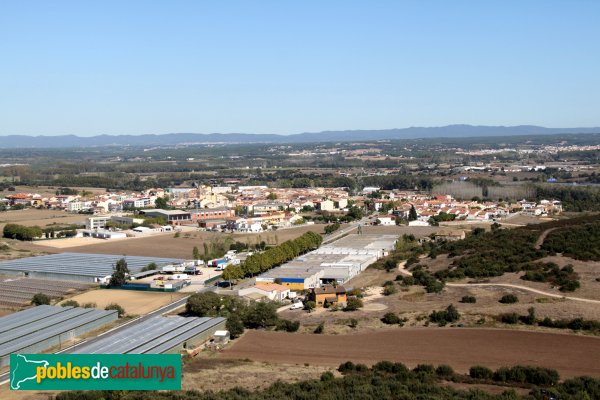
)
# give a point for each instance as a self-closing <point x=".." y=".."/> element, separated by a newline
<point x="23" y="141"/>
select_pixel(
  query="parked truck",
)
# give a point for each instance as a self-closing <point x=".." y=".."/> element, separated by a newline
<point x="172" y="269"/>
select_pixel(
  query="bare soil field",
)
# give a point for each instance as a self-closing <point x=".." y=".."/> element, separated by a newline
<point x="167" y="245"/>
<point x="460" y="348"/>
<point x="134" y="302"/>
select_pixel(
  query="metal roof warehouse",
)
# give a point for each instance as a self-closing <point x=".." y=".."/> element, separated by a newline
<point x="77" y="266"/>
<point x="157" y="335"/>
<point x="40" y="328"/>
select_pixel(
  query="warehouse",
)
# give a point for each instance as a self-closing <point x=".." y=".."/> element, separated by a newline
<point x="41" y="328"/>
<point x="79" y="267"/>
<point x="337" y="262"/>
<point x="157" y="335"/>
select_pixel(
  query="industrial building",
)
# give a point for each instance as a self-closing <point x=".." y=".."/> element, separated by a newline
<point x="337" y="262"/>
<point x="91" y="268"/>
<point x="157" y="335"/>
<point x="41" y="328"/>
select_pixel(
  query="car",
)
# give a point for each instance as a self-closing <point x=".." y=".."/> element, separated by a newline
<point x="297" y="306"/>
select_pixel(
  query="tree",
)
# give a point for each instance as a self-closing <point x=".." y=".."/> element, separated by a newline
<point x="205" y="304"/>
<point x="261" y="315"/>
<point x="114" y="306"/>
<point x="119" y="276"/>
<point x="150" y="267"/>
<point x="233" y="273"/>
<point x="40" y="299"/>
<point x="235" y="326"/>
<point x="412" y="214"/>
<point x="272" y="196"/>
<point x="195" y="253"/>
<point x="161" y="203"/>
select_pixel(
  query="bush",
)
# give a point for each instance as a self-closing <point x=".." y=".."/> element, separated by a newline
<point x="526" y="374"/>
<point x="479" y="372"/>
<point x="88" y="305"/>
<point x="309" y="306"/>
<point x="353" y="323"/>
<point x="40" y="299"/>
<point x="509" y="299"/>
<point x="320" y="328"/>
<point x="69" y="303"/>
<point x="353" y="304"/>
<point x="425" y="369"/>
<point x="115" y="306"/>
<point x="444" y="371"/>
<point x="390" y="319"/>
<point x="449" y="315"/>
<point x="509" y="318"/>
<point x="468" y="299"/>
<point x="389" y="290"/>
<point x="287" y="325"/>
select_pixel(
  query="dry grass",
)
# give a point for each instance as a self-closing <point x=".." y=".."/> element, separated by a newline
<point x="218" y="374"/>
<point x="32" y="217"/>
<point x="134" y="302"/>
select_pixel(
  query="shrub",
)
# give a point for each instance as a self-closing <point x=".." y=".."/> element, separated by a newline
<point x="509" y="299"/>
<point x="327" y="376"/>
<point x="425" y="369"/>
<point x="479" y="372"/>
<point x="390" y="318"/>
<point x="287" y="325"/>
<point x="468" y="299"/>
<point x="40" y="299"/>
<point x="320" y="328"/>
<point x="309" y="306"/>
<point x="450" y="314"/>
<point x="353" y="323"/>
<point x="389" y="290"/>
<point x="444" y="371"/>
<point x="88" y="305"/>
<point x="509" y="318"/>
<point x="69" y="303"/>
<point x="115" y="306"/>
<point x="353" y="304"/>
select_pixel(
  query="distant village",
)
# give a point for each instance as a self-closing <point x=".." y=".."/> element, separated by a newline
<point x="260" y="208"/>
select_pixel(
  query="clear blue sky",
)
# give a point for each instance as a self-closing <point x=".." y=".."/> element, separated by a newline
<point x="115" y="67"/>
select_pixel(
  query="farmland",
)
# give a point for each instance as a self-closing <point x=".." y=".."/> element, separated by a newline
<point x="134" y="302"/>
<point x="459" y="348"/>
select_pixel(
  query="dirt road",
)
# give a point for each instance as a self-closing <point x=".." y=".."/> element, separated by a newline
<point x="460" y="348"/>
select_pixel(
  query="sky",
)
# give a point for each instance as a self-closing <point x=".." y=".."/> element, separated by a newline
<point x="136" y="67"/>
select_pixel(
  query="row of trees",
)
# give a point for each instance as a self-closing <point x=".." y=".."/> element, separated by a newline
<point x="274" y="256"/>
<point x="20" y="232"/>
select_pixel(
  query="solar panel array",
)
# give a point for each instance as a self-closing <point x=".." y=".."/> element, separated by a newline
<point x="40" y="328"/>
<point x="87" y="265"/>
<point x="153" y="336"/>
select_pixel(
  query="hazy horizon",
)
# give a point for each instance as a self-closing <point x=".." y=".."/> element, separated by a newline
<point x="139" y="67"/>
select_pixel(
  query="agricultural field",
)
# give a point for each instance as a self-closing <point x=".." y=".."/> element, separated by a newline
<point x="459" y="348"/>
<point x="41" y="218"/>
<point x="133" y="301"/>
<point x="167" y="245"/>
